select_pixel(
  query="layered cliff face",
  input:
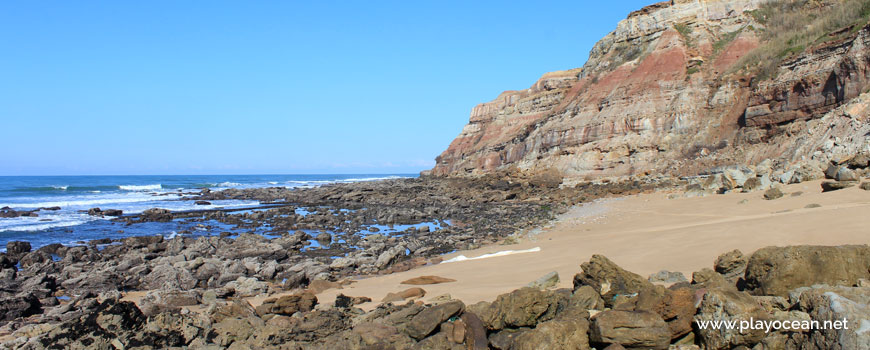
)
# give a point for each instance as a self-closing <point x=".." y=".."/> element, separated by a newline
<point x="669" y="91"/>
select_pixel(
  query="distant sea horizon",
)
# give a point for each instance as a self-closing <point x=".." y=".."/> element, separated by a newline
<point x="75" y="194"/>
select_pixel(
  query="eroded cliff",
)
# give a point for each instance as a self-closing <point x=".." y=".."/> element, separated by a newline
<point x="679" y="87"/>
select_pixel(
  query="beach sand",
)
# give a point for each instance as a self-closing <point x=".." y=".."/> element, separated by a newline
<point x="643" y="234"/>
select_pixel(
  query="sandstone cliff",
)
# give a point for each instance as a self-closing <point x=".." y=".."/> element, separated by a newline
<point x="672" y="90"/>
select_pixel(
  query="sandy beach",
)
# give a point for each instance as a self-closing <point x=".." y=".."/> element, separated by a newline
<point x="644" y="234"/>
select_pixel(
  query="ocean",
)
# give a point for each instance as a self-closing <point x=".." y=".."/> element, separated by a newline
<point x="71" y="225"/>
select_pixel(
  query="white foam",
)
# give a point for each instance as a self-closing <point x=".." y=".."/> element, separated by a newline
<point x="62" y="188"/>
<point x="492" y="255"/>
<point x="273" y="182"/>
<point x="228" y="184"/>
<point x="140" y="187"/>
<point x="80" y="201"/>
<point x="30" y="224"/>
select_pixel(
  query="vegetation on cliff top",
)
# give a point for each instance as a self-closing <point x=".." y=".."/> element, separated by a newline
<point x="792" y="26"/>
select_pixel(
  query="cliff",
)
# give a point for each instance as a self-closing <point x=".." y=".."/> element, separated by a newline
<point x="679" y="87"/>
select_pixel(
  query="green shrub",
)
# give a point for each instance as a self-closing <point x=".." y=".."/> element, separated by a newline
<point x="792" y="26"/>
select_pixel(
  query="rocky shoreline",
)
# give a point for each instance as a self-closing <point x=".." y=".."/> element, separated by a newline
<point x="301" y="238"/>
<point x="608" y="307"/>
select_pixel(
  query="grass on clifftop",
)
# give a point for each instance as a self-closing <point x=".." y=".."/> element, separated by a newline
<point x="792" y="26"/>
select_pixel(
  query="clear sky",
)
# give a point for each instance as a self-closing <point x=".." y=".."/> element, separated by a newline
<point x="258" y="87"/>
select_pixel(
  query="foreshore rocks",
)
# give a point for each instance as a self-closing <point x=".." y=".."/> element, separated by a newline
<point x="651" y="317"/>
<point x="301" y="239"/>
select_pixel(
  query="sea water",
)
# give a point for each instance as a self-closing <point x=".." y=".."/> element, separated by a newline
<point x="132" y="194"/>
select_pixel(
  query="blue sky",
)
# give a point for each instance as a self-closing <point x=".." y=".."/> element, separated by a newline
<point x="257" y="87"/>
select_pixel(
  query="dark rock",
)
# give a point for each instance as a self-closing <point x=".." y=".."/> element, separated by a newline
<point x="15" y="250"/>
<point x="773" y="193"/>
<point x="202" y="203"/>
<point x="829" y="186"/>
<point x="20" y="306"/>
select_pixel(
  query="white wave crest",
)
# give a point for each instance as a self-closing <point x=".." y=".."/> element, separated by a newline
<point x="140" y="187"/>
<point x="492" y="255"/>
<point x="62" y="188"/>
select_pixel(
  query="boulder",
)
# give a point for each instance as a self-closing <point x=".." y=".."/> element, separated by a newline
<point x="165" y="276"/>
<point x="287" y="304"/>
<point x="865" y="186"/>
<point x="609" y="280"/>
<point x="631" y="329"/>
<point x="157" y="214"/>
<point x="248" y="286"/>
<point x="728" y="305"/>
<point x="777" y="270"/>
<point x="836" y="304"/>
<point x="20" y="306"/>
<point x="829" y="186"/>
<point x="523" y="307"/>
<point x="425" y="322"/>
<point x="731" y="265"/>
<point x="773" y="193"/>
<point x="157" y="301"/>
<point x="15" y="250"/>
<point x="560" y="333"/>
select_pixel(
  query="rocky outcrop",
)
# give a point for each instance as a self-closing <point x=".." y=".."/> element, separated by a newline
<point x="653" y="317"/>
<point x="665" y="93"/>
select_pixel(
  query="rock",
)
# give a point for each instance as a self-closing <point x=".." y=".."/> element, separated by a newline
<point x="287" y="304"/>
<point x="324" y="238"/>
<point x="846" y="174"/>
<point x="546" y="281"/>
<point x="777" y="270"/>
<point x="248" y="286"/>
<point x="586" y="298"/>
<point x="344" y="301"/>
<point x="95" y="212"/>
<point x="15" y="250"/>
<point x="708" y="277"/>
<point x="728" y="305"/>
<point x="631" y="329"/>
<point x="165" y="276"/>
<point x="157" y="214"/>
<point x="157" y="301"/>
<point x="202" y="203"/>
<point x="756" y="184"/>
<point x="773" y="193"/>
<point x="475" y="332"/>
<point x="19" y="306"/>
<point x="113" y="212"/>
<point x="609" y="280"/>
<point x="405" y="294"/>
<point x="676" y="308"/>
<point x="731" y="265"/>
<point x="665" y="276"/>
<point x="829" y="186"/>
<point x="859" y="161"/>
<point x="561" y="333"/>
<point x="524" y="307"/>
<point x="424" y="280"/>
<point x="835" y="304"/>
<point x="865" y="186"/>
<point x="390" y="255"/>
<point x="425" y="322"/>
